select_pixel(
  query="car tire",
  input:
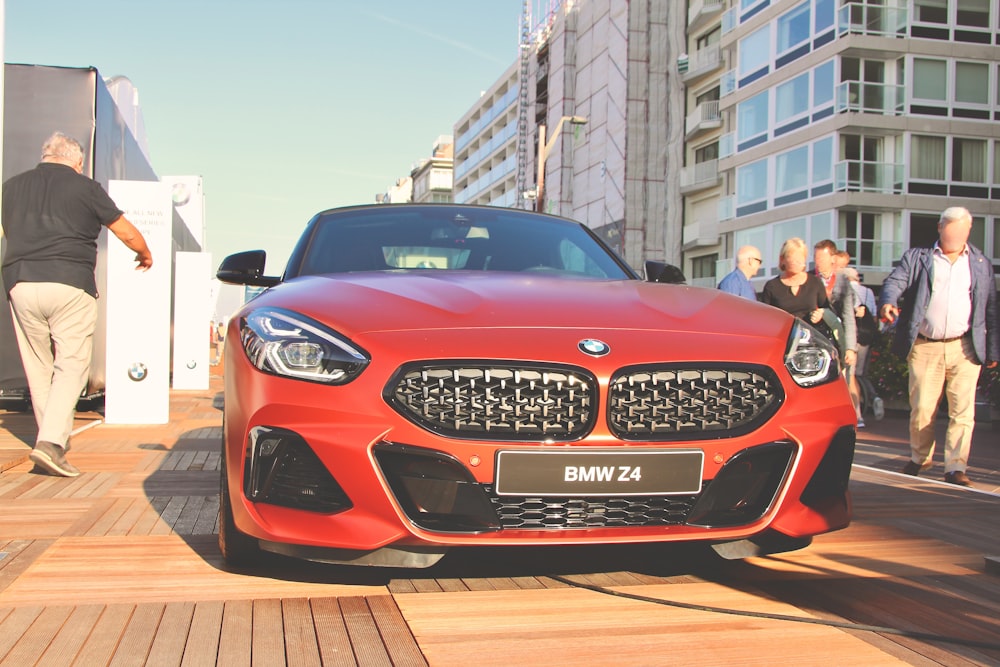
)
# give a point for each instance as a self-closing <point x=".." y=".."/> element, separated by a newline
<point x="238" y="549"/>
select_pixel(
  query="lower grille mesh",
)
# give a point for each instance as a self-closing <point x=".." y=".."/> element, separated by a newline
<point x="556" y="513"/>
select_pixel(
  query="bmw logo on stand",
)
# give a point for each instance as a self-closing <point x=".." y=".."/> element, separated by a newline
<point x="594" y="347"/>
<point x="137" y="372"/>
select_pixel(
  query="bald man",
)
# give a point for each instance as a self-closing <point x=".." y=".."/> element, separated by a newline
<point x="748" y="262"/>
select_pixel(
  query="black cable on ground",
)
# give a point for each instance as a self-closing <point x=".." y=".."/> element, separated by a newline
<point x="925" y="636"/>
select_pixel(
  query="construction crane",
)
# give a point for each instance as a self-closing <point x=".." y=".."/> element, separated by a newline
<point x="522" y="108"/>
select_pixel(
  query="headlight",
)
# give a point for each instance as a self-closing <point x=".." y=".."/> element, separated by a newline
<point x="288" y="344"/>
<point x="810" y="357"/>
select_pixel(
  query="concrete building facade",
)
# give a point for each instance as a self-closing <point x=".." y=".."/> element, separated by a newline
<point x="854" y="121"/>
<point x="612" y="63"/>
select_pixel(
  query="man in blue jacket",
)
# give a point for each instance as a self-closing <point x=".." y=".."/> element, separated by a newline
<point x="945" y="300"/>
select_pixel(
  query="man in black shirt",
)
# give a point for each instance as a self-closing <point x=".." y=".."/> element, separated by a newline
<point x="52" y="216"/>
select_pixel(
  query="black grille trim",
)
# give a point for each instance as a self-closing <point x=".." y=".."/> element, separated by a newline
<point x="506" y="401"/>
<point x="691" y="402"/>
<point x="564" y="513"/>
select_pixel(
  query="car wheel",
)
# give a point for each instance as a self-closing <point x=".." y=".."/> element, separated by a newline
<point x="237" y="548"/>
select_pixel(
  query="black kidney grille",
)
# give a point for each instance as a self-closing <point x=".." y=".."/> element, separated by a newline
<point x="554" y="513"/>
<point x="671" y="402"/>
<point x="498" y="402"/>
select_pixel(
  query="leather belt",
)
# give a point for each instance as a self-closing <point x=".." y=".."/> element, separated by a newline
<point x="941" y="340"/>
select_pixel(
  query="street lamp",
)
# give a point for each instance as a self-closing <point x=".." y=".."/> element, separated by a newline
<point x="543" y="152"/>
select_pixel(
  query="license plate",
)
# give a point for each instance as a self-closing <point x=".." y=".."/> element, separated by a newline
<point x="599" y="473"/>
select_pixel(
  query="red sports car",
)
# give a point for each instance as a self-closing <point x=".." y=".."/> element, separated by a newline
<point x="431" y="376"/>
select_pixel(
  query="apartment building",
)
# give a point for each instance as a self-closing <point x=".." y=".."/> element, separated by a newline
<point x="856" y="121"/>
<point x="599" y="95"/>
<point x="485" y="148"/>
<point x="432" y="177"/>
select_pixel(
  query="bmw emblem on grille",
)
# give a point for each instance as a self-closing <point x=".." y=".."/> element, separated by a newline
<point x="594" y="347"/>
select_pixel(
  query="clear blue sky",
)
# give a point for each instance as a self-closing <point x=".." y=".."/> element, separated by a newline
<point x="284" y="107"/>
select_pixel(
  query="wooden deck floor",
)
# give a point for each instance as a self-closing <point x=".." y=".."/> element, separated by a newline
<point x="120" y="566"/>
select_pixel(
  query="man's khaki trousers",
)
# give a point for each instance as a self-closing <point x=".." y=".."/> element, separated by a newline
<point x="935" y="368"/>
<point x="55" y="330"/>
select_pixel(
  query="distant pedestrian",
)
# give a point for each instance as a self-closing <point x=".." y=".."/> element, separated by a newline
<point x="52" y="216"/>
<point x="947" y="331"/>
<point x="827" y="260"/>
<point x="748" y="262"/>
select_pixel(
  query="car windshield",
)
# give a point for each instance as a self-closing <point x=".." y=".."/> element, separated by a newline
<point x="450" y="238"/>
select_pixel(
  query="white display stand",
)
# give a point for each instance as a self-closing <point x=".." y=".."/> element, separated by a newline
<point x="138" y="309"/>
<point x="192" y="319"/>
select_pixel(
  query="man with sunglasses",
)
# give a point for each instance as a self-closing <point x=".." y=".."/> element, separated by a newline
<point x="737" y="282"/>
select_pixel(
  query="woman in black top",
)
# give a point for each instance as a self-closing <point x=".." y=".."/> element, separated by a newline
<point x="795" y="290"/>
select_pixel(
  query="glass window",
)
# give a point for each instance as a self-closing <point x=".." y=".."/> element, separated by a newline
<point x="709" y="38"/>
<point x="824" y="14"/>
<point x="977" y="236"/>
<point x="820" y="227"/>
<point x="793" y="28"/>
<point x="972" y="83"/>
<point x="823" y="84"/>
<point x="927" y="157"/>
<point x="996" y="163"/>
<point x="973" y="13"/>
<point x="968" y="160"/>
<point x="930" y="79"/>
<point x="751" y="182"/>
<point x="755" y="51"/>
<point x="751" y="117"/>
<point x="930" y="11"/>
<point x="706" y="153"/>
<point x="792" y="170"/>
<point x="790" y="229"/>
<point x="791" y="98"/>
<point x="704" y="266"/>
<point x="822" y="169"/>
<point x="996" y="238"/>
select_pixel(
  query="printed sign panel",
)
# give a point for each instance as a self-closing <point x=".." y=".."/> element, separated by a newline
<point x="138" y="308"/>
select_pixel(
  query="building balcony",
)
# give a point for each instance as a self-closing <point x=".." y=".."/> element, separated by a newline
<point x="727" y="144"/>
<point x="726" y="210"/>
<point x="729" y="20"/>
<point x="879" y="98"/>
<point x="701" y="13"/>
<point x="872" y="20"/>
<point x="705" y="117"/>
<point x="862" y="176"/>
<point x="700" y="177"/>
<point x="700" y="234"/>
<point x="701" y="63"/>
<point x="727" y="83"/>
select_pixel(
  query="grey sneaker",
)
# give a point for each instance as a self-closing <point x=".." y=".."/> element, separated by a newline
<point x="52" y="459"/>
<point x="878" y="408"/>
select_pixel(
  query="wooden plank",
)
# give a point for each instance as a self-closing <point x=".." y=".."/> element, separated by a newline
<point x="171" y="634"/>
<point x="268" y="634"/>
<point x="137" y="639"/>
<point x="20" y="555"/>
<point x="32" y="641"/>
<point x="399" y="642"/>
<point x="103" y="640"/>
<point x="72" y="636"/>
<point x="235" y="647"/>
<point x="301" y="647"/>
<point x="331" y="633"/>
<point x="202" y="647"/>
<point x="364" y="634"/>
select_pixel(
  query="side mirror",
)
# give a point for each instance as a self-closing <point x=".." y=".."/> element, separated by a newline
<point x="661" y="272"/>
<point x="246" y="268"/>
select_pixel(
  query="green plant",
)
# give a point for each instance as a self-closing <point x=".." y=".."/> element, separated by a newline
<point x="890" y="375"/>
<point x="887" y="371"/>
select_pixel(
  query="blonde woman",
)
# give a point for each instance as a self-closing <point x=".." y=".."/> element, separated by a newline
<point x="795" y="290"/>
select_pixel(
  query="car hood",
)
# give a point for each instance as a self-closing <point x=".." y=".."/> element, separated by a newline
<point x="362" y="303"/>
